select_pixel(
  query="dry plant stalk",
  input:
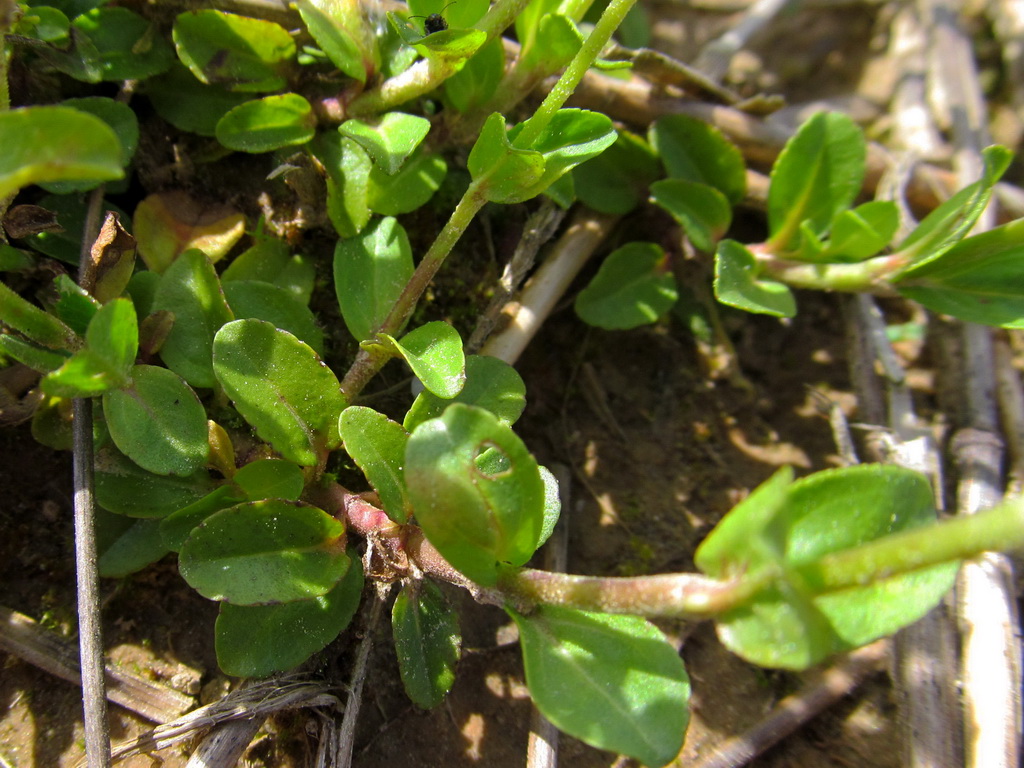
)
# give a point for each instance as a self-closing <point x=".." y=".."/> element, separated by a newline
<point x="258" y="700"/>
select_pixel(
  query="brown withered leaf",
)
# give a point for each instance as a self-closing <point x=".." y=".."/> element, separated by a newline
<point x="111" y="261"/>
<point x="26" y="220"/>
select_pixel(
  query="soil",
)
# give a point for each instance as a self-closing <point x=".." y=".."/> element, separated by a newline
<point x="658" y="451"/>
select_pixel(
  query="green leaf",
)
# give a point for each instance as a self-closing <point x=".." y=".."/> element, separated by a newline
<point x="126" y="545"/>
<point x="507" y="170"/>
<point x="39" y="326"/>
<point x="475" y="84"/>
<point x="490" y="383"/>
<point x="370" y="271"/>
<point x="242" y="53"/>
<point x="14" y="259"/>
<point x="270" y="260"/>
<point x="780" y="531"/>
<point x="329" y="31"/>
<point x="616" y="181"/>
<point x="43" y="23"/>
<point x="434" y="352"/>
<point x="557" y="41"/>
<point x="73" y="304"/>
<point x="262" y="552"/>
<point x="55" y="144"/>
<point x="121" y="119"/>
<point x="980" y="279"/>
<point x="952" y="220"/>
<point x="552" y="505"/>
<point x="105" y="363"/>
<point x="348" y="172"/>
<point x="390" y="139"/>
<point x="697" y="152"/>
<point x="475" y="518"/>
<point x="122" y="486"/>
<point x="34" y="356"/>
<point x="427" y="641"/>
<point x="84" y="374"/>
<point x="158" y="422"/>
<point x="113" y="334"/>
<point x="737" y="285"/>
<point x="191" y="291"/>
<point x="614" y="682"/>
<point x="266" y="124"/>
<point x="270" y="479"/>
<point x="449" y="47"/>
<point x="377" y="446"/>
<point x="178" y="526"/>
<point x="633" y="287"/>
<point x="702" y="211"/>
<point x="127" y="46"/>
<point x="276" y="305"/>
<point x="863" y="232"/>
<point x="747" y="528"/>
<point x="281" y="387"/>
<point x="818" y="174"/>
<point x="410" y="188"/>
<point x="258" y="640"/>
<point x="189" y="105"/>
<point x="572" y="137"/>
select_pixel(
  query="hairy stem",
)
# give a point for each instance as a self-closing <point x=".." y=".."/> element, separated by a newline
<point x="581" y="62"/>
<point x="996" y="529"/>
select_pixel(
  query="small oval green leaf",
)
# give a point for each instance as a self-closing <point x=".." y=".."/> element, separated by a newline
<point x="266" y="124"/>
<point x="122" y="486"/>
<point x="241" y="53"/>
<point x="125" y="45"/>
<point x="702" y="211"/>
<point x="390" y="139"/>
<point x="427" y="641"/>
<point x="475" y="518"/>
<point x="275" y="304"/>
<point x="699" y="153"/>
<point x="377" y="446"/>
<point x="55" y="144"/>
<point x="258" y="640"/>
<point x="633" y="287"/>
<point x="980" y="279"/>
<point x="281" y="387"/>
<point x="617" y="180"/>
<point x="434" y="352"/>
<point x="818" y="174"/>
<point x="370" y="272"/>
<point x="614" y="682"/>
<point x="158" y="422"/>
<point x="188" y="104"/>
<point x="490" y="383"/>
<point x="270" y="479"/>
<point x="190" y="290"/>
<point x="413" y="185"/>
<point x="737" y="283"/>
<point x="262" y="552"/>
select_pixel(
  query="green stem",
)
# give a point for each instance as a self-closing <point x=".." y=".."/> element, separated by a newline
<point x="370" y="360"/>
<point x="581" y="62"/>
<point x="870" y="276"/>
<point x="682" y="595"/>
<point x="998" y="529"/>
